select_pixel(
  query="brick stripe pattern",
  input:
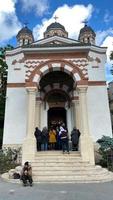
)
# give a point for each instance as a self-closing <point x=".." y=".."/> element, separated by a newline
<point x="35" y="69"/>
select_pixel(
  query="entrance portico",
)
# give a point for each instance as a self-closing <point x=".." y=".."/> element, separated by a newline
<point x="72" y="95"/>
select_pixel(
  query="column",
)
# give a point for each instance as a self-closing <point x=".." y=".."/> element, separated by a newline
<point x="31" y="111"/>
<point x="86" y="143"/>
<point x="29" y="145"/>
<point x="38" y="114"/>
<point x="76" y="113"/>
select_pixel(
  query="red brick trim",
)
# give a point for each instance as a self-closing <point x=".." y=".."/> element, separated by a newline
<point x="96" y="83"/>
<point x="14" y="85"/>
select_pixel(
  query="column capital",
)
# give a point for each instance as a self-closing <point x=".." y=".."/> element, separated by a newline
<point x="31" y="89"/>
<point x="82" y="88"/>
<point x="75" y="101"/>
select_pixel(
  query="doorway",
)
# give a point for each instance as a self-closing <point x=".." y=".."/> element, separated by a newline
<point x="56" y="115"/>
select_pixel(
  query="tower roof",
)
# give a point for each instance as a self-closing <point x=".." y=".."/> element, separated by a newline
<point x="87" y="29"/>
<point x="24" y="30"/>
<point x="55" y="25"/>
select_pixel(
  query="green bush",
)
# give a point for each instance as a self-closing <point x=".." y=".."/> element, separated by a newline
<point x="8" y="159"/>
<point x="106" y="152"/>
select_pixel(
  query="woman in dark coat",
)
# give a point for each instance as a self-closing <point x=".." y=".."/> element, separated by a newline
<point x="75" y="134"/>
<point x="38" y="135"/>
<point x="45" y="139"/>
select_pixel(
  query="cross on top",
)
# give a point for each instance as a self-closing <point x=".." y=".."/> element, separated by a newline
<point x="25" y="23"/>
<point x="85" y="22"/>
<point x="55" y="17"/>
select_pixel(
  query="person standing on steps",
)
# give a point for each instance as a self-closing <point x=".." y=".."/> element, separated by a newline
<point x="64" y="139"/>
<point x="52" y="138"/>
<point x="45" y="139"/>
<point x="75" y="134"/>
<point x="38" y="136"/>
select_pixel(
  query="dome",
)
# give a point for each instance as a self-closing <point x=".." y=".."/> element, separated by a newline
<point x="55" y="29"/>
<point x="24" y="36"/>
<point x="55" y="25"/>
<point x="24" y="30"/>
<point x="87" y="29"/>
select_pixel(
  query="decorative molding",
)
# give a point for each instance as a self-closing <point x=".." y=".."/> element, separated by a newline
<point x="75" y="98"/>
<point x="98" y="60"/>
<point x="58" y="56"/>
<point x="91" y="59"/>
<point x="95" y="66"/>
<point x="82" y="82"/>
<point x="96" y="83"/>
<point x="31" y="84"/>
<point x="16" y="69"/>
<point x="15" y="85"/>
<point x="56" y="65"/>
<point x="18" y="61"/>
<point x="57" y="104"/>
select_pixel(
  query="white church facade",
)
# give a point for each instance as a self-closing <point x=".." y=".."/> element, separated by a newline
<point x="56" y="79"/>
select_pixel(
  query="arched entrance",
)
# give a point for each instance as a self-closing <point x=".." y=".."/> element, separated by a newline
<point x="56" y="115"/>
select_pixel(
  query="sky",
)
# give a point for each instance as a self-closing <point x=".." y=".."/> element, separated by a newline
<point x="71" y="14"/>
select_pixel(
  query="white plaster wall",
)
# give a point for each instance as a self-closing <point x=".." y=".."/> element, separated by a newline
<point x="96" y="74"/>
<point x="98" y="112"/>
<point x="15" y="116"/>
<point x="16" y="72"/>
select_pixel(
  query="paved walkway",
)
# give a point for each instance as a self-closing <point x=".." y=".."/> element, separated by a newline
<point x="98" y="191"/>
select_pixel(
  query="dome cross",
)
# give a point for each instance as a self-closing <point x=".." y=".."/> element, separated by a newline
<point x="55" y="17"/>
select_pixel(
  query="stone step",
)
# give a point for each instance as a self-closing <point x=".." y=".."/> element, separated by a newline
<point x="58" y="156"/>
<point x="68" y="157"/>
<point x="73" y="178"/>
<point x="56" y="153"/>
<point x="80" y="167"/>
<point x="55" y="167"/>
<point x="58" y="159"/>
<point x="71" y="173"/>
<point x="58" y="162"/>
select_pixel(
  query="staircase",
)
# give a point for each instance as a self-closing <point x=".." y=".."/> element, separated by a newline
<point x="56" y="167"/>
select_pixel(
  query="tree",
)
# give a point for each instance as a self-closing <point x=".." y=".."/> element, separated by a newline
<point x="111" y="56"/>
<point x="3" y="82"/>
<point x="106" y="151"/>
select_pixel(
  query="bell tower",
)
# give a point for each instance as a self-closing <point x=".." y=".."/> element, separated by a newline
<point x="24" y="36"/>
<point x="87" y="35"/>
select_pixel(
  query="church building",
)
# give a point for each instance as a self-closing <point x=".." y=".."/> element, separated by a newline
<point x="52" y="80"/>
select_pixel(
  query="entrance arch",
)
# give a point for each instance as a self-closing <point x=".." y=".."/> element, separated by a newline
<point x="56" y="115"/>
<point x="77" y="72"/>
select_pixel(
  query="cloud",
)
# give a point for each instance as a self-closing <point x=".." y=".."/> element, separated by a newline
<point x="71" y="17"/>
<point x="8" y="20"/>
<point x="107" y="17"/>
<point x="101" y="35"/>
<point x="40" y="6"/>
<point x="108" y="42"/>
